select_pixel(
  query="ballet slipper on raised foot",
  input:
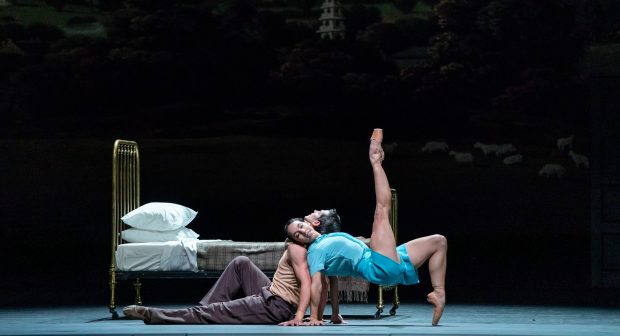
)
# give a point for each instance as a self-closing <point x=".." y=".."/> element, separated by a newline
<point x="438" y="300"/>
<point x="376" y="152"/>
<point x="135" y="311"/>
<point x="377" y="135"/>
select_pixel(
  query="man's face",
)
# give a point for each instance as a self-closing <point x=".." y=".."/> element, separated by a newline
<point x="313" y="217"/>
<point x="302" y="232"/>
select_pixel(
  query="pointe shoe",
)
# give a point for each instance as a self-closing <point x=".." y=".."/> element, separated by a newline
<point x="439" y="303"/>
<point x="135" y="311"/>
<point x="376" y="152"/>
<point x="377" y="135"/>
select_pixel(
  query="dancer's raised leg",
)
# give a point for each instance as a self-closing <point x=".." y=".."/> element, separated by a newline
<point x="434" y="249"/>
<point x="382" y="238"/>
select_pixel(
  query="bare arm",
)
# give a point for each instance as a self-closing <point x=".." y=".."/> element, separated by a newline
<point x="333" y="288"/>
<point x="297" y="256"/>
<point x="315" y="299"/>
<point x="324" y="290"/>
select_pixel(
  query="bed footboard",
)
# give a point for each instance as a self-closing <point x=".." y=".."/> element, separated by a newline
<point x="395" y="298"/>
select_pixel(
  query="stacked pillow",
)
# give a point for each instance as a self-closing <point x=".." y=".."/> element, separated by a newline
<point x="158" y="222"/>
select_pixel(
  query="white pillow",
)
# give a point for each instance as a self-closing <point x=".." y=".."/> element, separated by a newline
<point x="158" y="216"/>
<point x="146" y="236"/>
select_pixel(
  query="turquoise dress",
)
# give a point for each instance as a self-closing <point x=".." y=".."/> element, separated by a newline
<point x="340" y="254"/>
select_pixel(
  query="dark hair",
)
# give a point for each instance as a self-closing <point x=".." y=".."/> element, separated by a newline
<point x="330" y="222"/>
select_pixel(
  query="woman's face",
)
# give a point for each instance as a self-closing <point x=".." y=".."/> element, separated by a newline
<point x="302" y="232"/>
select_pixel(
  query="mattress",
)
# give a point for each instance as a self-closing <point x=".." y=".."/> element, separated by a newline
<point x="194" y="255"/>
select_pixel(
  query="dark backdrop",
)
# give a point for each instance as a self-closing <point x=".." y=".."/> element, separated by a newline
<point x="279" y="123"/>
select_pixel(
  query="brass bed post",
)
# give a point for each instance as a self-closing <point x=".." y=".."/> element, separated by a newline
<point x="125" y="197"/>
<point x="394" y="224"/>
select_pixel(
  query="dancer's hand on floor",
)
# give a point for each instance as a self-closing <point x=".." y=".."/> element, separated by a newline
<point x="292" y="322"/>
<point x="314" y="322"/>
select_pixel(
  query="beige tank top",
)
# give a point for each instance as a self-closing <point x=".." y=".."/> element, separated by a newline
<point x="285" y="284"/>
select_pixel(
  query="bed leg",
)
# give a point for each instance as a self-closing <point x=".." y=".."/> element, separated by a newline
<point x="395" y="301"/>
<point x="112" y="305"/>
<point x="136" y="287"/>
<point x="380" y="304"/>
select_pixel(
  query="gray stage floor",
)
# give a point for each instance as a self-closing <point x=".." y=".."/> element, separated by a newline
<point x="411" y="319"/>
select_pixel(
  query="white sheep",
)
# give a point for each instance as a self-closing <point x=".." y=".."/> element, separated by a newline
<point x="552" y="169"/>
<point x="435" y="146"/>
<point x="486" y="149"/>
<point x="580" y="160"/>
<point x="462" y="158"/>
<point x="510" y="160"/>
<point x="505" y="149"/>
<point x="564" y="143"/>
<point x="390" y="148"/>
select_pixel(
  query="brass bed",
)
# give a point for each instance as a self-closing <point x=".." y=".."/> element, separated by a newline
<point x="126" y="197"/>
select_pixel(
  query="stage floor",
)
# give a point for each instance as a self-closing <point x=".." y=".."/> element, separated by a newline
<point x="410" y="319"/>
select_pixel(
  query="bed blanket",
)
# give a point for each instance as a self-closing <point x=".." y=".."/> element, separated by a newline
<point x="216" y="255"/>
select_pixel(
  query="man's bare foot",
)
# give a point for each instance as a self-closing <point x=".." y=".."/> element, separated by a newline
<point x="135" y="311"/>
<point x="437" y="299"/>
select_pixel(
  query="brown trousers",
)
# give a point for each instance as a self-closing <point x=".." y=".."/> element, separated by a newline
<point x="241" y="295"/>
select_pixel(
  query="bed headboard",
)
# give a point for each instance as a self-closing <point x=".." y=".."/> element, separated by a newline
<point x="125" y="197"/>
<point x="125" y="185"/>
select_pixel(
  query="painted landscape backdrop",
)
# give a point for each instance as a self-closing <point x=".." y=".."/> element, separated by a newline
<point x="245" y="114"/>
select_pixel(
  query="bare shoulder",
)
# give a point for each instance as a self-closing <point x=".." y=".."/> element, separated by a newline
<point x="296" y="251"/>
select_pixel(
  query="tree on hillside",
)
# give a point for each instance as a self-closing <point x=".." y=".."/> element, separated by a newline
<point x="600" y="19"/>
<point x="152" y="5"/>
<point x="416" y="30"/>
<point x="164" y="54"/>
<point x="516" y="56"/>
<point x="458" y="16"/>
<point x="430" y="2"/>
<point x="542" y="44"/>
<point x="59" y="5"/>
<point x="539" y="34"/>
<point x="110" y="5"/>
<point x="344" y="81"/>
<point x="306" y="6"/>
<point x="385" y="36"/>
<point x="405" y="6"/>
<point x="358" y="17"/>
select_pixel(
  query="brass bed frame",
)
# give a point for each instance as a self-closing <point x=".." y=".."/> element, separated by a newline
<point x="126" y="197"/>
<point x="395" y="298"/>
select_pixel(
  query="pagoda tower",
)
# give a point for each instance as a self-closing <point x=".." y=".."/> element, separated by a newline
<point x="332" y="21"/>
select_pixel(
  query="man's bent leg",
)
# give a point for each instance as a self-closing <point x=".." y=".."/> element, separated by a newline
<point x="264" y="308"/>
<point x="241" y="278"/>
